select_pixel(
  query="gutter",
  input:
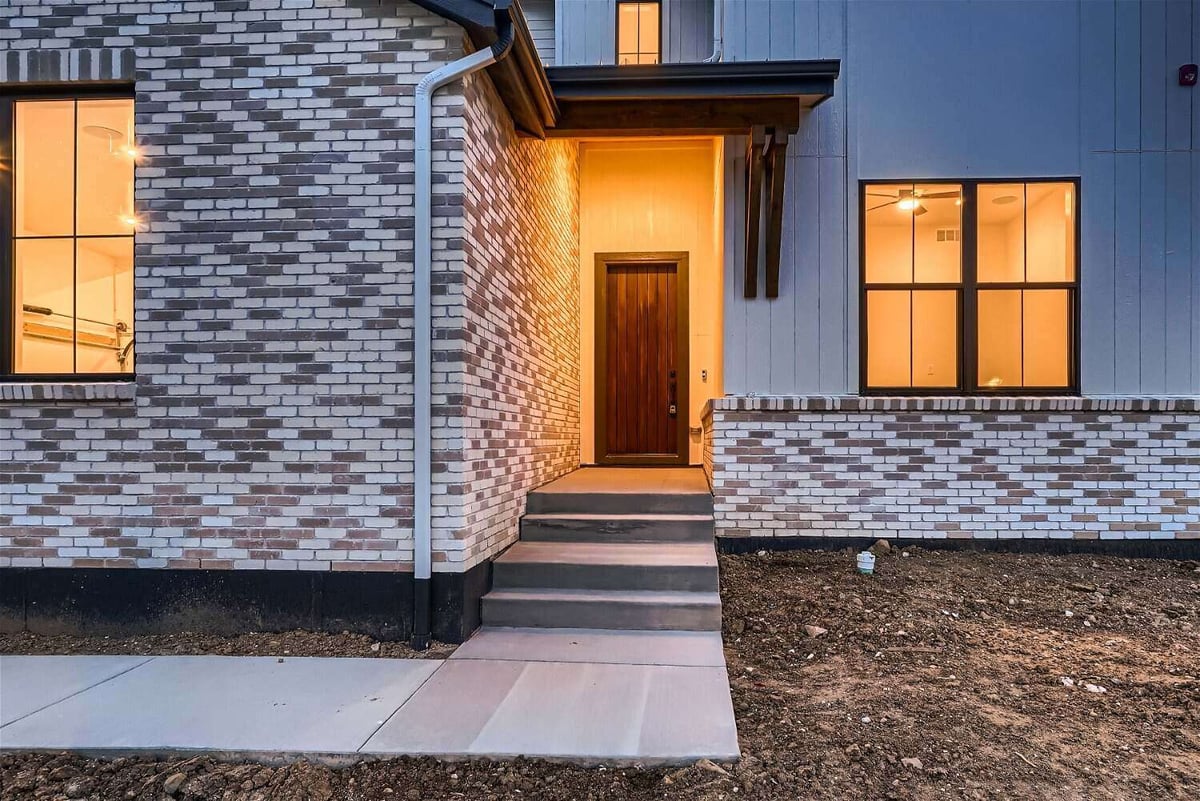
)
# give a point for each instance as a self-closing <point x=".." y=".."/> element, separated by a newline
<point x="422" y="316"/>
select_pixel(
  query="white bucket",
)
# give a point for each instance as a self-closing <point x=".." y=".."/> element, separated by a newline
<point x="866" y="562"/>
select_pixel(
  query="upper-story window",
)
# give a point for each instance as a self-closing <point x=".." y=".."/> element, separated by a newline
<point x="638" y="39"/>
<point x="67" y="223"/>
<point x="970" y="287"/>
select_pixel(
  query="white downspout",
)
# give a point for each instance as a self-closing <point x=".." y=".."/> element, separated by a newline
<point x="718" y="33"/>
<point x="422" y="324"/>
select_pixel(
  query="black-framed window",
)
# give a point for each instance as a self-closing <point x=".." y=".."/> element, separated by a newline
<point x="639" y="32"/>
<point x="969" y="287"/>
<point x="67" y="225"/>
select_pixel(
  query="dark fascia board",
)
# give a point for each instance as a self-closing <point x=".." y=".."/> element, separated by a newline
<point x="519" y="78"/>
<point x="478" y="17"/>
<point x="811" y="80"/>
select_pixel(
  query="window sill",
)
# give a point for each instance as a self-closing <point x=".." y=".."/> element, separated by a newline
<point x="1007" y="403"/>
<point x="68" y="392"/>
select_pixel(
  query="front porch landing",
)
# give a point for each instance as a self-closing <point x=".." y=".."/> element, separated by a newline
<point x="632" y="480"/>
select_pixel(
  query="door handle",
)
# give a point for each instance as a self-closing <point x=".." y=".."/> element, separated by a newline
<point x="672" y="406"/>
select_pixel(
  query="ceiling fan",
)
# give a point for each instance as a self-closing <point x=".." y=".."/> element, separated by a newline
<point x="910" y="200"/>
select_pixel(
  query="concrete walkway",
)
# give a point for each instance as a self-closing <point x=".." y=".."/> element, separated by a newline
<point x="591" y="696"/>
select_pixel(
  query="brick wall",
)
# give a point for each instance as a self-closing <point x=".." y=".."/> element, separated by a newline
<point x="270" y="425"/>
<point x="956" y="468"/>
<point x="520" y="398"/>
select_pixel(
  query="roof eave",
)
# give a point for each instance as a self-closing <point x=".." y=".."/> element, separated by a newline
<point x="520" y="79"/>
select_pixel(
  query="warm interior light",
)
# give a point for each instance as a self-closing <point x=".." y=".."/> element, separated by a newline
<point x="131" y="152"/>
<point x="130" y="220"/>
<point x="995" y="381"/>
<point x="908" y="204"/>
<point x="958" y="201"/>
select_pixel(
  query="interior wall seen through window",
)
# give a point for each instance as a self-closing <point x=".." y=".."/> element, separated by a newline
<point x="914" y="269"/>
<point x="74" y="222"/>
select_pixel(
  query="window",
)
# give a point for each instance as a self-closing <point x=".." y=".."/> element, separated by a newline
<point x="67" y="228"/>
<point x="638" y="32"/>
<point x="970" y="287"/>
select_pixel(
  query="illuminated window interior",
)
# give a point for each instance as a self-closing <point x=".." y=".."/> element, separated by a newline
<point x="1016" y="332"/>
<point x="914" y="275"/>
<point x="638" y="32"/>
<point x="72" y="248"/>
<point x="1026" y="248"/>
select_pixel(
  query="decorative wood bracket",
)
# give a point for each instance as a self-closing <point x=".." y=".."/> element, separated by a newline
<point x="776" y="178"/>
<point x="754" y="180"/>
<point x="766" y="177"/>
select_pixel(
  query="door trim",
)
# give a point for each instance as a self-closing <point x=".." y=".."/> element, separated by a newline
<point x="600" y="379"/>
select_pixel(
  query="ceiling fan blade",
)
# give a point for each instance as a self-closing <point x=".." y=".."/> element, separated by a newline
<point x="919" y="210"/>
<point x="940" y="194"/>
<point x="885" y="205"/>
<point x="881" y="194"/>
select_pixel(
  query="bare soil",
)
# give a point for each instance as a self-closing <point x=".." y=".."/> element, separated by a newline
<point x="187" y="643"/>
<point x="945" y="675"/>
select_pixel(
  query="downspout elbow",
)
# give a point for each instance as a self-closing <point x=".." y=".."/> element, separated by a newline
<point x="718" y="51"/>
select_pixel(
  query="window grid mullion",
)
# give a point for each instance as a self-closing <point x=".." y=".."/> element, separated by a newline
<point x="74" y="235"/>
<point x="969" y="350"/>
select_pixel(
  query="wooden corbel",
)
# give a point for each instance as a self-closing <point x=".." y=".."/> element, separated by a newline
<point x="775" y="159"/>
<point x="754" y="182"/>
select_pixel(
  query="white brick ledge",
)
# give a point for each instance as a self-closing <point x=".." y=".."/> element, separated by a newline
<point x="65" y="392"/>
<point x="1009" y="404"/>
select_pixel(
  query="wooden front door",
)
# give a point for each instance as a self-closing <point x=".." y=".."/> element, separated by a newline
<point x="641" y="358"/>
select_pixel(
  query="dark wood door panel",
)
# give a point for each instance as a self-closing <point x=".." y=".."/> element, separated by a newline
<point x="641" y="364"/>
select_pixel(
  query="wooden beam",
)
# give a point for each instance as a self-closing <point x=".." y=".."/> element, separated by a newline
<point x="754" y="179"/>
<point x="673" y="117"/>
<point x="776" y="167"/>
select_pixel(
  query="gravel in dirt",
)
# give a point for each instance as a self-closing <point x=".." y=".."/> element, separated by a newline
<point x="186" y="643"/>
<point x="944" y="675"/>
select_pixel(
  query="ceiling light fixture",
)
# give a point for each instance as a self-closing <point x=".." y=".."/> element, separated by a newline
<point x="908" y="204"/>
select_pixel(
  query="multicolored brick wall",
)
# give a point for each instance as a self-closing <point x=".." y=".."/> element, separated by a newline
<point x="520" y="338"/>
<point x="955" y="468"/>
<point x="270" y="425"/>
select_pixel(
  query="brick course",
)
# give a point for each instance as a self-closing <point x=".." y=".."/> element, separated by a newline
<point x="270" y="425"/>
<point x="521" y="334"/>
<point x="955" y="468"/>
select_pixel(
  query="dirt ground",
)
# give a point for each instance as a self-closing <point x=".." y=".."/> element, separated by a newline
<point x="946" y="675"/>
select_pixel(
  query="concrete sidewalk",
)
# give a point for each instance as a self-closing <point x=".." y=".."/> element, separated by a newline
<point x="591" y="696"/>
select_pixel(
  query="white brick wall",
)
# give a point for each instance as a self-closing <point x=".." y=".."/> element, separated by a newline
<point x="970" y="468"/>
<point x="270" y="426"/>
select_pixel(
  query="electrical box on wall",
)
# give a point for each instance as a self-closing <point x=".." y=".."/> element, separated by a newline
<point x="1187" y="75"/>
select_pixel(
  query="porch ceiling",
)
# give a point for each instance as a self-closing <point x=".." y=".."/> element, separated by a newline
<point x="677" y="99"/>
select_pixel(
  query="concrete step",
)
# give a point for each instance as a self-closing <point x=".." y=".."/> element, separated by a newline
<point x="682" y="566"/>
<point x="616" y="528"/>
<point x="619" y="503"/>
<point x="603" y="609"/>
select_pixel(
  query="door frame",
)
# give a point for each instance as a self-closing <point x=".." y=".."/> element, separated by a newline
<point x="600" y="379"/>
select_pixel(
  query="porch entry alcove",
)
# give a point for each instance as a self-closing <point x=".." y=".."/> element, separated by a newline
<point x="652" y="249"/>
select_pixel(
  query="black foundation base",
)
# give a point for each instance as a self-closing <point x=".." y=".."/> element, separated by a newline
<point x="1153" y="549"/>
<point x="121" y="602"/>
